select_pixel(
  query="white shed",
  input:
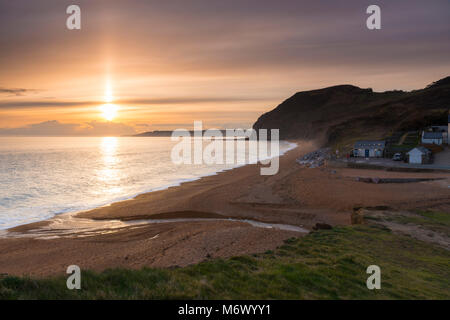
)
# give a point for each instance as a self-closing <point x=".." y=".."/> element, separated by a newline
<point x="419" y="155"/>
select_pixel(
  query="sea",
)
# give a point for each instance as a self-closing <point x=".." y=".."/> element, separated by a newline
<point x="41" y="177"/>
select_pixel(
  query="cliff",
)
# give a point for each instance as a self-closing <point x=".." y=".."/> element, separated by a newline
<point x="341" y="114"/>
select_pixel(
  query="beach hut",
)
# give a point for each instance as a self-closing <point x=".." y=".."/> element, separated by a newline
<point x="419" y="155"/>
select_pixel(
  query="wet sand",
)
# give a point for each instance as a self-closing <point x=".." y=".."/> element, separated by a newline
<point x="296" y="196"/>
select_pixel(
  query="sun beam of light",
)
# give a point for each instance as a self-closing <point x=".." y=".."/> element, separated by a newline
<point x="108" y="92"/>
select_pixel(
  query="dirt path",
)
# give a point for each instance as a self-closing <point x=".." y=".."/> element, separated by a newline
<point x="402" y="139"/>
<point x="434" y="229"/>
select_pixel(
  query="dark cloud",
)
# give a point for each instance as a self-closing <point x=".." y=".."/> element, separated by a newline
<point x="127" y="102"/>
<point x="16" y="91"/>
<point x="188" y="100"/>
<point x="43" y="104"/>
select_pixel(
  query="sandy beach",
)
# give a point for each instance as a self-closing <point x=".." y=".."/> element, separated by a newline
<point x="116" y="235"/>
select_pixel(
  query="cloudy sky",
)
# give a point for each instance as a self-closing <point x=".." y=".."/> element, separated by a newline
<point x="157" y="65"/>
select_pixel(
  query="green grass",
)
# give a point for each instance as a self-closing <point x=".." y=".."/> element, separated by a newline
<point x="433" y="220"/>
<point x="329" y="264"/>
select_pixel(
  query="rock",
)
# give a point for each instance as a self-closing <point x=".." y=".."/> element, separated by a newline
<point x="322" y="226"/>
<point x="315" y="159"/>
<point x="357" y="216"/>
<point x="370" y="180"/>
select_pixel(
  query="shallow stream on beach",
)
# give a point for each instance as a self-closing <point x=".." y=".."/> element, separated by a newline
<point x="69" y="226"/>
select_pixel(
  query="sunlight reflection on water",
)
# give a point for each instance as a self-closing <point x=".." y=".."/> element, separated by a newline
<point x="110" y="174"/>
<point x="41" y="177"/>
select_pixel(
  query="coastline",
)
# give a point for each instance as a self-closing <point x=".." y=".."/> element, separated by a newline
<point x="46" y="220"/>
<point x="91" y="213"/>
<point x="296" y="196"/>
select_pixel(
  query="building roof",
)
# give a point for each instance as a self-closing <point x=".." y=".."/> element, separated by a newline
<point x="421" y="149"/>
<point x="370" y="144"/>
<point x="442" y="128"/>
<point x="432" y="135"/>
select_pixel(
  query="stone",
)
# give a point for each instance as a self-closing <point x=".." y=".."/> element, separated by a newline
<point x="323" y="226"/>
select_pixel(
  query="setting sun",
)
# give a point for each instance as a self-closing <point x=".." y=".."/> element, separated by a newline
<point x="109" y="111"/>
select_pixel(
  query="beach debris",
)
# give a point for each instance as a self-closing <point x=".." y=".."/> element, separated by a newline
<point x="323" y="226"/>
<point x="315" y="159"/>
<point x="376" y="180"/>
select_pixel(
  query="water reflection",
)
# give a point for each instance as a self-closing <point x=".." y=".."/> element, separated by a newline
<point x="109" y="150"/>
<point x="110" y="174"/>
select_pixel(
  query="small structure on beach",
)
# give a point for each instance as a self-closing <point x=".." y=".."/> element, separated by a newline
<point x="369" y="148"/>
<point x="419" y="155"/>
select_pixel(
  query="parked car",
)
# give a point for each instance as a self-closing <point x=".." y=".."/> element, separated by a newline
<point x="397" y="157"/>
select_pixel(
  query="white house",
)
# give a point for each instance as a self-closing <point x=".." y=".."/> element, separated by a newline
<point x="419" y="155"/>
<point x="443" y="130"/>
<point x="432" y="137"/>
<point x="369" y="148"/>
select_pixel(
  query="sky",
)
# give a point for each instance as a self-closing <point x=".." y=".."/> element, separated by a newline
<point x="161" y="65"/>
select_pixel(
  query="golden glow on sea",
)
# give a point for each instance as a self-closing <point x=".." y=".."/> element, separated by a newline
<point x="110" y="174"/>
